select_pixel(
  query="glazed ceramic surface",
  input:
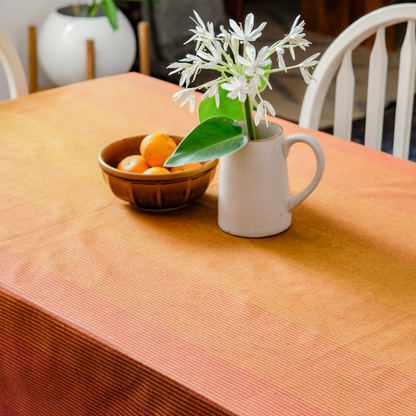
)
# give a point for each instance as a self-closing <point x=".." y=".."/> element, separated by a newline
<point x="62" y="46"/>
<point x="153" y="192"/>
<point x="254" y="199"/>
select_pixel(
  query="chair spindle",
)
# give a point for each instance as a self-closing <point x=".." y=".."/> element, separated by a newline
<point x="405" y="93"/>
<point x="377" y="77"/>
<point x="344" y="101"/>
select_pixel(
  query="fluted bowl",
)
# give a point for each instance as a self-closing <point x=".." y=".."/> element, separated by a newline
<point x="152" y="192"/>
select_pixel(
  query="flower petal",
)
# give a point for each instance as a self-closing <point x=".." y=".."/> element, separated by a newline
<point x="257" y="32"/>
<point x="251" y="53"/>
<point x="262" y="55"/>
<point x="248" y="24"/>
<point x="238" y="32"/>
<point x="243" y="61"/>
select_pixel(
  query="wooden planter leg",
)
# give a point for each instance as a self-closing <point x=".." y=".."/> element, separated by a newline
<point x="33" y="60"/>
<point x="90" y="59"/>
<point x="144" y="47"/>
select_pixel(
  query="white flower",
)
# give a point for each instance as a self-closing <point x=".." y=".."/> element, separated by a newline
<point x="185" y="96"/>
<point x="279" y="52"/>
<point x="253" y="86"/>
<point x="235" y="44"/>
<point x="246" y="35"/>
<point x="244" y="77"/>
<point x="306" y="75"/>
<point x="295" y="37"/>
<point x="201" y="34"/>
<point x="255" y="83"/>
<point x="225" y="36"/>
<point x="237" y="87"/>
<point x="192" y="58"/>
<point x="263" y="109"/>
<point x="254" y="65"/>
<point x="310" y="61"/>
<point x="215" y="57"/>
<point x="187" y="69"/>
<point x="305" y="65"/>
<point x="178" y="67"/>
<point x="212" y="91"/>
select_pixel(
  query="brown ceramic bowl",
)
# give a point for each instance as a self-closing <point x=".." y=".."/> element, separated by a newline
<point x="152" y="192"/>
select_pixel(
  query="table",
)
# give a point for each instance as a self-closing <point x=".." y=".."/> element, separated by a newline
<point x="107" y="310"/>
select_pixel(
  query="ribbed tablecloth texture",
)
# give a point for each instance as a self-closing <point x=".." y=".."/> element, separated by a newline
<point x="109" y="310"/>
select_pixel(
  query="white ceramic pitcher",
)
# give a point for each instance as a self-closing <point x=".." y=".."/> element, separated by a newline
<point x="254" y="199"/>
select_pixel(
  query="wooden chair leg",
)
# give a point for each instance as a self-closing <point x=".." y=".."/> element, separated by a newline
<point x="33" y="61"/>
<point x="144" y="47"/>
<point x="90" y="59"/>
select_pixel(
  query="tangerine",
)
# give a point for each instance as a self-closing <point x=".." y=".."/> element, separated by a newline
<point x="133" y="163"/>
<point x="156" y="171"/>
<point x="185" y="167"/>
<point x="156" y="148"/>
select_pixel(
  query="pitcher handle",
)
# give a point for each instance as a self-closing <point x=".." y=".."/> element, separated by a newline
<point x="295" y="200"/>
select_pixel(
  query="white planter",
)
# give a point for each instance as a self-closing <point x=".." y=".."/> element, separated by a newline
<point x="62" y="46"/>
<point x="254" y="199"/>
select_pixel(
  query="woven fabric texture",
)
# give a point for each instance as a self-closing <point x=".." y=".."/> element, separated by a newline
<point x="108" y="310"/>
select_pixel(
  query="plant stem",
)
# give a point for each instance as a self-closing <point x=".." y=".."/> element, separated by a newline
<point x="272" y="71"/>
<point x="252" y="132"/>
<point x="75" y="8"/>
<point x="92" y="10"/>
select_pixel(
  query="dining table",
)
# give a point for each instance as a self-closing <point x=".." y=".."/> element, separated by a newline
<point x="106" y="309"/>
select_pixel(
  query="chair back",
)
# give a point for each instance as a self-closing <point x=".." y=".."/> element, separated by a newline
<point x="15" y="74"/>
<point x="339" y="57"/>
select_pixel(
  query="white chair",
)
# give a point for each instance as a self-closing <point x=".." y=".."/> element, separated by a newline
<point x="339" y="54"/>
<point x="16" y="77"/>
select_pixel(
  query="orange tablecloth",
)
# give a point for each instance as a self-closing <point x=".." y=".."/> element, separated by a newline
<point x="107" y="310"/>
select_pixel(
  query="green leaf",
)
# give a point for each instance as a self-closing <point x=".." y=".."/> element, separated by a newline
<point x="228" y="107"/>
<point x="92" y="10"/>
<point x="213" y="138"/>
<point x="110" y="11"/>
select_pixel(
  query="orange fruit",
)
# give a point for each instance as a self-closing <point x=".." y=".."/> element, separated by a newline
<point x="156" y="171"/>
<point x="133" y="163"/>
<point x="156" y="148"/>
<point x="185" y="167"/>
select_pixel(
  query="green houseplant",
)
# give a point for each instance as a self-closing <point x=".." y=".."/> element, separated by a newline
<point x="63" y="35"/>
<point x="108" y="6"/>
<point x="253" y="196"/>
<point x="236" y="92"/>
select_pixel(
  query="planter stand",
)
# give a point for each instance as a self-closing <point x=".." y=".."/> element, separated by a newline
<point x="144" y="56"/>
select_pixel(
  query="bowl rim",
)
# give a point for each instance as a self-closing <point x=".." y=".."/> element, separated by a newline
<point x="140" y="177"/>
